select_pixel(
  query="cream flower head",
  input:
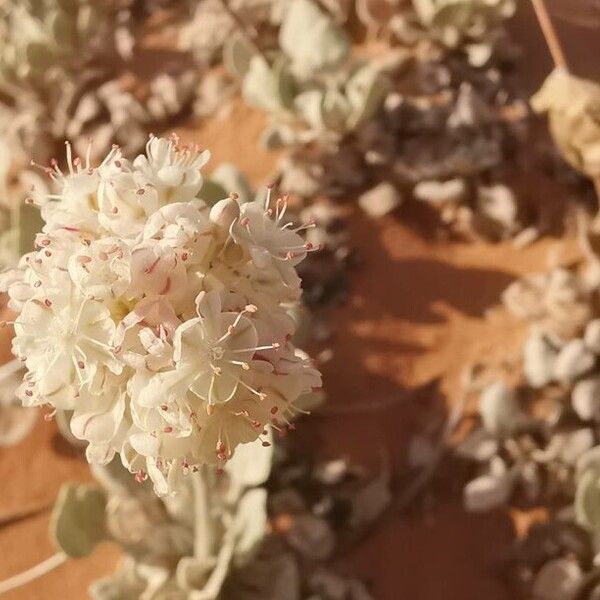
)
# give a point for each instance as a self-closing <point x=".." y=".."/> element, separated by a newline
<point x="160" y="322"/>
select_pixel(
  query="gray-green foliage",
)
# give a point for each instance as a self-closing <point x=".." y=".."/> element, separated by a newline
<point x="78" y="521"/>
<point x="309" y="86"/>
<point x="181" y="546"/>
<point x="38" y="36"/>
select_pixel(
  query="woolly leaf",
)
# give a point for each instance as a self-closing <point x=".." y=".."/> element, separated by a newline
<point x="587" y="499"/>
<point x="366" y="91"/>
<point x="212" y="191"/>
<point x="266" y="87"/>
<point x="78" y="519"/>
<point x="232" y="180"/>
<point x="312" y="40"/>
<point x="237" y="54"/>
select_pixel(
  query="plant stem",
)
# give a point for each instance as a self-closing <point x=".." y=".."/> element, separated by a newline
<point x="34" y="573"/>
<point x="203" y="542"/>
<point x="550" y="35"/>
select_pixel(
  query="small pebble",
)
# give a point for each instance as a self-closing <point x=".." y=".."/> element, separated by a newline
<point x="573" y="361"/>
<point x="380" y="200"/>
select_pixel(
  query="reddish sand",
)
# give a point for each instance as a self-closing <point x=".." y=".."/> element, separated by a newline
<point x="419" y="310"/>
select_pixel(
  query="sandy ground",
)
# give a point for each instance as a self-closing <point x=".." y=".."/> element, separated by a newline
<point x="419" y="310"/>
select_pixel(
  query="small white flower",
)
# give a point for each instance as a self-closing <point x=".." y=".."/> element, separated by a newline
<point x="156" y="270"/>
<point x="183" y="226"/>
<point x="65" y="341"/>
<point x="272" y="245"/>
<point x="101" y="269"/>
<point x="173" y="170"/>
<point x="125" y="201"/>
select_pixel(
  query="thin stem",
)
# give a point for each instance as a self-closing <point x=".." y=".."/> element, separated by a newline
<point x="203" y="542"/>
<point x="550" y="35"/>
<point x="34" y="573"/>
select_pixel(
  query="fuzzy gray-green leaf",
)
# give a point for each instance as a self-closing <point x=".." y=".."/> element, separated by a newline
<point x="77" y="522"/>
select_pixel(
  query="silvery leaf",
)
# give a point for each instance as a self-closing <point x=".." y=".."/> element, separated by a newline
<point x="587" y="499"/>
<point x="277" y="136"/>
<point x="124" y="583"/>
<point x="366" y="91"/>
<point x="251" y="463"/>
<point x="212" y="191"/>
<point x="193" y="571"/>
<point x="270" y="88"/>
<point x="116" y="479"/>
<point x="312" y="40"/>
<point x="309" y="105"/>
<point x="230" y="178"/>
<point x="78" y="519"/>
<point x="237" y="53"/>
<point x="250" y="523"/>
<point x="63" y="422"/>
<point x="335" y="110"/>
<point x="63" y="27"/>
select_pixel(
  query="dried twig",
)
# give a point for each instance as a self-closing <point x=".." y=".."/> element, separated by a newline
<point x="550" y="35"/>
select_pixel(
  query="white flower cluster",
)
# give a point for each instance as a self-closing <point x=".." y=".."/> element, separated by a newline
<point x="159" y="321"/>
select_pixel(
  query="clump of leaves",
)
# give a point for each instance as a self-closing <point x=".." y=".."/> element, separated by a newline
<point x="224" y="536"/>
<point x="66" y="72"/>
<point x="421" y="119"/>
<point x="309" y="86"/>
